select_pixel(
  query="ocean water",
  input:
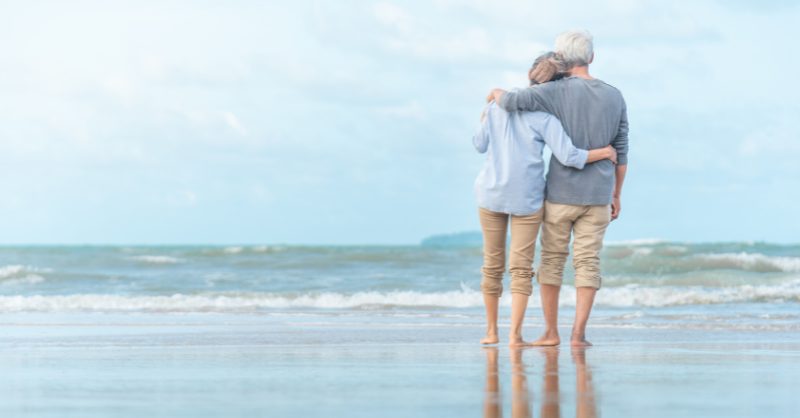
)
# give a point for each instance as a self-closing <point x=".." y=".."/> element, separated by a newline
<point x="645" y="283"/>
<point x="280" y="331"/>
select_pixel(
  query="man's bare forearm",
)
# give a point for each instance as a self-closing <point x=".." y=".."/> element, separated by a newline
<point x="620" y="172"/>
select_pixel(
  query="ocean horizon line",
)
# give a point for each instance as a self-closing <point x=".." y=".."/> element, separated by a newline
<point x="420" y="243"/>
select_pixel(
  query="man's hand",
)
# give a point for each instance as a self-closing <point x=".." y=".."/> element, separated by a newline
<point x="495" y="95"/>
<point x="616" y="207"/>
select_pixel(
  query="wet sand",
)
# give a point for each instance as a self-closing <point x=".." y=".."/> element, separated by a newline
<point x="254" y="365"/>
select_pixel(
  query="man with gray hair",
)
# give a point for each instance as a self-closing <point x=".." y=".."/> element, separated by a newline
<point x="580" y="203"/>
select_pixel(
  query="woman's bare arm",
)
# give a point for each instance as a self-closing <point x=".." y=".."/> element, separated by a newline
<point x="605" y="153"/>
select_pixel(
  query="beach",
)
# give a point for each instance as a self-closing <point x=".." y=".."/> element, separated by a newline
<point x="233" y="365"/>
<point x="678" y="330"/>
<point x="303" y="209"/>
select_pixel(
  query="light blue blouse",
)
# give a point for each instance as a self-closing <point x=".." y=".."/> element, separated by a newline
<point x="512" y="179"/>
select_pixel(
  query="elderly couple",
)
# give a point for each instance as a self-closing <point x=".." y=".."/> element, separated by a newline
<point x="584" y="122"/>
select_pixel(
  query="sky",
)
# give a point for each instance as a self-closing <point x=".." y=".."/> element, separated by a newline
<point x="350" y="122"/>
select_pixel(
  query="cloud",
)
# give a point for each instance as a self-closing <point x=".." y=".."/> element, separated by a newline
<point x="393" y="15"/>
<point x="360" y="105"/>
<point x="234" y="123"/>
<point x="774" y="141"/>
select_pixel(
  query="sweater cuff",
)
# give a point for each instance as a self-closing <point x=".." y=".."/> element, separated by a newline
<point x="502" y="101"/>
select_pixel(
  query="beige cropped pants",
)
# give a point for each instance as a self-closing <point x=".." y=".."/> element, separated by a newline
<point x="523" y="243"/>
<point x="588" y="225"/>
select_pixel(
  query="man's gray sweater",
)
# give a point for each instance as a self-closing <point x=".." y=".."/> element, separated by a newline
<point x="594" y="115"/>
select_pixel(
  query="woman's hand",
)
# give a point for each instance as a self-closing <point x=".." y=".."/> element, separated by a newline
<point x="606" y="153"/>
<point x="612" y="153"/>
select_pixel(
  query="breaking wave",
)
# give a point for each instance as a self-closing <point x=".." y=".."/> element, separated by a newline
<point x="157" y="259"/>
<point x="625" y="296"/>
<point x="750" y="262"/>
<point x="16" y="274"/>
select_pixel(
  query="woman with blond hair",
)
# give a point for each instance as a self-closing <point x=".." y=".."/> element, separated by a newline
<point x="510" y="189"/>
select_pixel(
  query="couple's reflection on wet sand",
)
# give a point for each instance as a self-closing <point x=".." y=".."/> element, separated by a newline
<point x="521" y="399"/>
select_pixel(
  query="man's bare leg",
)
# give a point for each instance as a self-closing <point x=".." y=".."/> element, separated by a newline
<point x="583" y="307"/>
<point x="519" y="303"/>
<point x="549" y="294"/>
<point x="491" y="303"/>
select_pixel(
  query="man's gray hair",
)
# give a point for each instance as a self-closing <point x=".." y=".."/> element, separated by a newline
<point x="575" y="47"/>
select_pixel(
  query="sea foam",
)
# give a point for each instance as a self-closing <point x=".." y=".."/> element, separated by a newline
<point x="624" y="296"/>
<point x="16" y="274"/>
<point x="11" y="270"/>
<point x="752" y="261"/>
<point x="157" y="259"/>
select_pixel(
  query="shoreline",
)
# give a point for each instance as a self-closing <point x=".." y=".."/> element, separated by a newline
<point x="238" y="365"/>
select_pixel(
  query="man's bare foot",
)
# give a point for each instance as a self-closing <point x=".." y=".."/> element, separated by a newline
<point x="579" y="342"/>
<point x="548" y="339"/>
<point x="490" y="339"/>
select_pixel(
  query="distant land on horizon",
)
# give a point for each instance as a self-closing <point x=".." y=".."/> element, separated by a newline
<point x="457" y="239"/>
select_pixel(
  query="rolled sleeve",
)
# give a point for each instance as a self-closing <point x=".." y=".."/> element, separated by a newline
<point x="577" y="158"/>
<point x="508" y="101"/>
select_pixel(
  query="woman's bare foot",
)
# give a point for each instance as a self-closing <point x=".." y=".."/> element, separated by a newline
<point x="490" y="339"/>
<point x="547" y="339"/>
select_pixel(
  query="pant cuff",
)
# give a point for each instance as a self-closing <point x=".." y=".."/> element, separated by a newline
<point x="526" y="292"/>
<point x="550" y="281"/>
<point x="585" y="282"/>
